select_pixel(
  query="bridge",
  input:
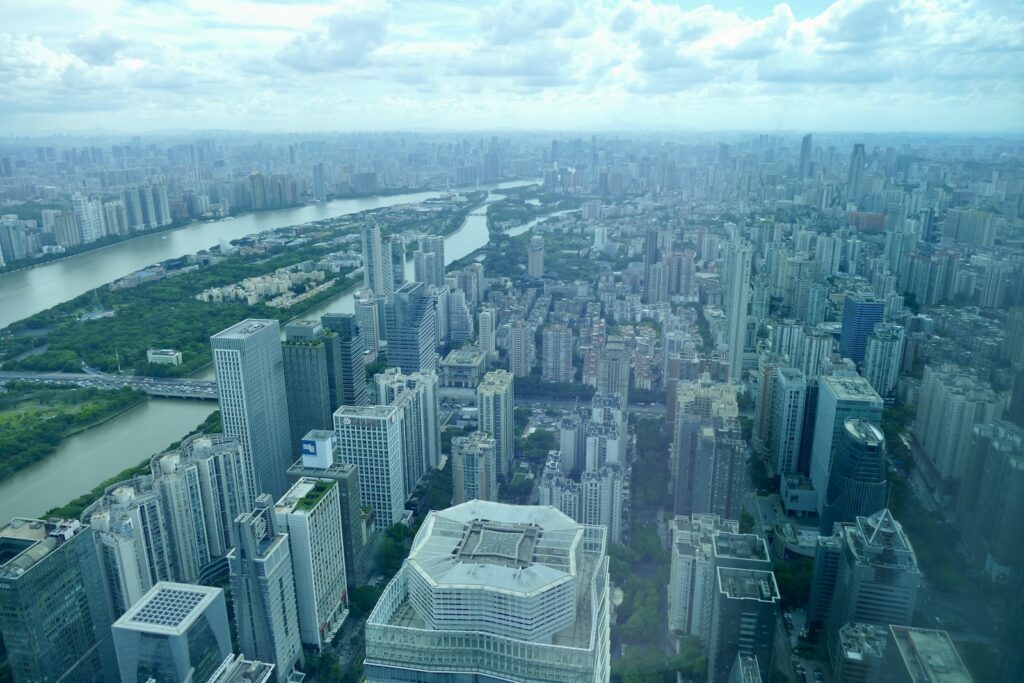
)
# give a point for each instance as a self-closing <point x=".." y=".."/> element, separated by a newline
<point x="161" y="387"/>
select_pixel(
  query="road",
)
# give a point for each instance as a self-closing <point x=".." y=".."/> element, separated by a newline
<point x="162" y="387"/>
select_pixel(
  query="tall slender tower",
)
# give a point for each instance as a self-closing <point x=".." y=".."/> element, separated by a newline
<point x="253" y="401"/>
<point x="412" y="329"/>
<point x="856" y="482"/>
<point x="345" y="360"/>
<point x="737" y="283"/>
<point x="376" y="268"/>
<point x="805" y="156"/>
<point x="494" y="400"/>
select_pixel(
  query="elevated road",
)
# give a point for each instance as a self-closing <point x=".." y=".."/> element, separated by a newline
<point x="154" y="386"/>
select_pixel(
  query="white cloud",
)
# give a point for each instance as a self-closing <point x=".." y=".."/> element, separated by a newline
<point x="350" y="36"/>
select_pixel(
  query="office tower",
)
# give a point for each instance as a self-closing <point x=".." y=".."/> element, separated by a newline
<point x="134" y="539"/>
<point x="416" y="397"/>
<point x="439" y="298"/>
<point x="604" y="499"/>
<point x="804" y="169"/>
<point x="745" y="670"/>
<point x="370" y="437"/>
<point x="520" y="348"/>
<point x="815" y="351"/>
<point x="346" y="376"/>
<point x="263" y="591"/>
<point x="990" y="502"/>
<point x="177" y="632"/>
<point x="486" y="322"/>
<point x="856" y="482"/>
<point x="866" y="572"/>
<point x="528" y="582"/>
<point x="318" y="462"/>
<point x="855" y="173"/>
<point x="859" y="654"/>
<point x="706" y="412"/>
<point x="433" y="244"/>
<point x="737" y="299"/>
<point x="789" y="392"/>
<point x="368" y="319"/>
<point x="253" y="401"/>
<point x="424" y="268"/>
<point x="412" y="329"/>
<point x="475" y="468"/>
<point x="394" y="251"/>
<point x="304" y="355"/>
<point x="613" y="369"/>
<point x="319" y="181"/>
<point x="377" y="274"/>
<point x="840" y="396"/>
<point x="883" y="357"/>
<point x="744" y="612"/>
<point x="861" y="312"/>
<point x="535" y="257"/>
<point x="460" y="318"/>
<point x="952" y="401"/>
<point x="54" y="617"/>
<point x="207" y="471"/>
<point x="495" y="404"/>
<point x="310" y="514"/>
<point x="920" y="655"/>
<point x="556" y="354"/>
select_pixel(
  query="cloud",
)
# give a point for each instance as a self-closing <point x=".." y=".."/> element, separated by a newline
<point x="517" y="21"/>
<point x="530" y="66"/>
<point x="351" y="35"/>
<point x="99" y="47"/>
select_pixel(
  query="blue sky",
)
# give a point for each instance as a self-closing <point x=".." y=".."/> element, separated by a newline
<point x="864" y="65"/>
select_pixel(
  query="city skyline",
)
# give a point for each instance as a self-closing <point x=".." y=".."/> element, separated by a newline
<point x="866" y="65"/>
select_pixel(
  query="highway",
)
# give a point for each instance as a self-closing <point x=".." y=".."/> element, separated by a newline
<point x="154" y="386"/>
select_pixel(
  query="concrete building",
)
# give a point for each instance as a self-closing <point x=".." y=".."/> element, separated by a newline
<point x="417" y="396"/>
<point x="613" y="369"/>
<point x="253" y="402"/>
<point x="318" y="461"/>
<point x="54" y="616"/>
<point x="840" y="396"/>
<point x="692" y="566"/>
<point x="919" y="655"/>
<point x="463" y="368"/>
<point x="411" y="329"/>
<point x="737" y="300"/>
<point x="368" y="311"/>
<point x="859" y="653"/>
<point x="495" y="591"/>
<point x="952" y="401"/>
<point x="346" y="359"/>
<point x="306" y="380"/>
<point x="377" y="274"/>
<point x="177" y="632"/>
<point x="789" y="393"/>
<point x="604" y="500"/>
<point x="744" y="613"/>
<point x="883" y="358"/>
<point x="310" y="514"/>
<point x="434" y="244"/>
<point x="263" y="591"/>
<point x="370" y="437"/>
<point x="556" y="354"/>
<point x="486" y="331"/>
<point x="861" y="312"/>
<point x="857" y="485"/>
<point x="535" y="257"/>
<point x="520" y="348"/>
<point x="475" y="468"/>
<point x="496" y="402"/>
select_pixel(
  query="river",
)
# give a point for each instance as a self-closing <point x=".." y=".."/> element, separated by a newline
<point x="85" y="460"/>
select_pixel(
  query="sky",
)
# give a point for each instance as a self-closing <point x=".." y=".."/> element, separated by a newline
<point x="369" y="65"/>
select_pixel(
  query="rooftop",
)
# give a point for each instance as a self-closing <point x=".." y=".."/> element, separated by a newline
<point x="304" y="495"/>
<point x="25" y="542"/>
<point x="862" y="640"/>
<point x="741" y="546"/>
<point x="929" y="656"/>
<point x="850" y="387"/>
<point x="244" y="329"/>
<point x="168" y="608"/>
<point x="748" y="584"/>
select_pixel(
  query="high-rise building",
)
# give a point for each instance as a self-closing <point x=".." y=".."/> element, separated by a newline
<point x="495" y="408"/>
<point x="486" y="322"/>
<point x="535" y="257"/>
<point x="394" y="251"/>
<point x="520" y="348"/>
<point x="883" y="357"/>
<point x="556" y="354"/>
<point x="377" y="274"/>
<point x="177" y="632"/>
<point x="434" y="244"/>
<point x="604" y="500"/>
<point x="789" y="392"/>
<point x="89" y="217"/>
<point x="423" y="268"/>
<point x="263" y="591"/>
<point x="919" y="655"/>
<point x="857" y="485"/>
<point x="346" y="375"/>
<point x="416" y="396"/>
<point x="54" y="616"/>
<point x="737" y="299"/>
<point x="370" y="437"/>
<point x="412" y="329"/>
<point x="855" y="173"/>
<point x="744" y="612"/>
<point x="310" y="514"/>
<point x="804" y="169"/>
<point x="253" y="401"/>
<point x="474" y="468"/>
<point x="180" y="483"/>
<point x="529" y="584"/>
<point x="613" y="369"/>
<point x="840" y="396"/>
<point x="318" y="462"/>
<point x="861" y="312"/>
<point x="859" y="654"/>
<point x="367" y="312"/>
<point x="952" y="401"/>
<point x="305" y="379"/>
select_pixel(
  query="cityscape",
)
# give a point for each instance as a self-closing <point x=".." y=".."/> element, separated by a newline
<point x="511" y="399"/>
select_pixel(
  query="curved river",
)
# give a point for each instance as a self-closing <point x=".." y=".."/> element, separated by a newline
<point x="85" y="460"/>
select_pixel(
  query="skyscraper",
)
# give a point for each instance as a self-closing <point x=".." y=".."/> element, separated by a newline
<point x="370" y="437"/>
<point x="486" y="322"/>
<point x="417" y="398"/>
<point x="411" y="324"/>
<point x="176" y="632"/>
<point x="346" y="376"/>
<point x="394" y="251"/>
<point x="604" y="500"/>
<point x="306" y="379"/>
<point x="310" y="514"/>
<point x="805" y="157"/>
<point x="737" y="299"/>
<point x="535" y="257"/>
<point x="263" y="591"/>
<point x="856" y="482"/>
<point x="520" y="348"/>
<point x="434" y="244"/>
<point x="253" y="401"/>
<point x="920" y="655"/>
<point x="424" y="269"/>
<point x="377" y="274"/>
<point x="855" y="174"/>
<point x="861" y="313"/>
<point x="789" y="392"/>
<point x="556" y="354"/>
<point x="367" y="314"/>
<point x="54" y="617"/>
<point x="744" y="612"/>
<point x="495" y="406"/>
<point x="883" y="357"/>
<point x="613" y="369"/>
<point x="529" y="584"/>
<point x="475" y="468"/>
